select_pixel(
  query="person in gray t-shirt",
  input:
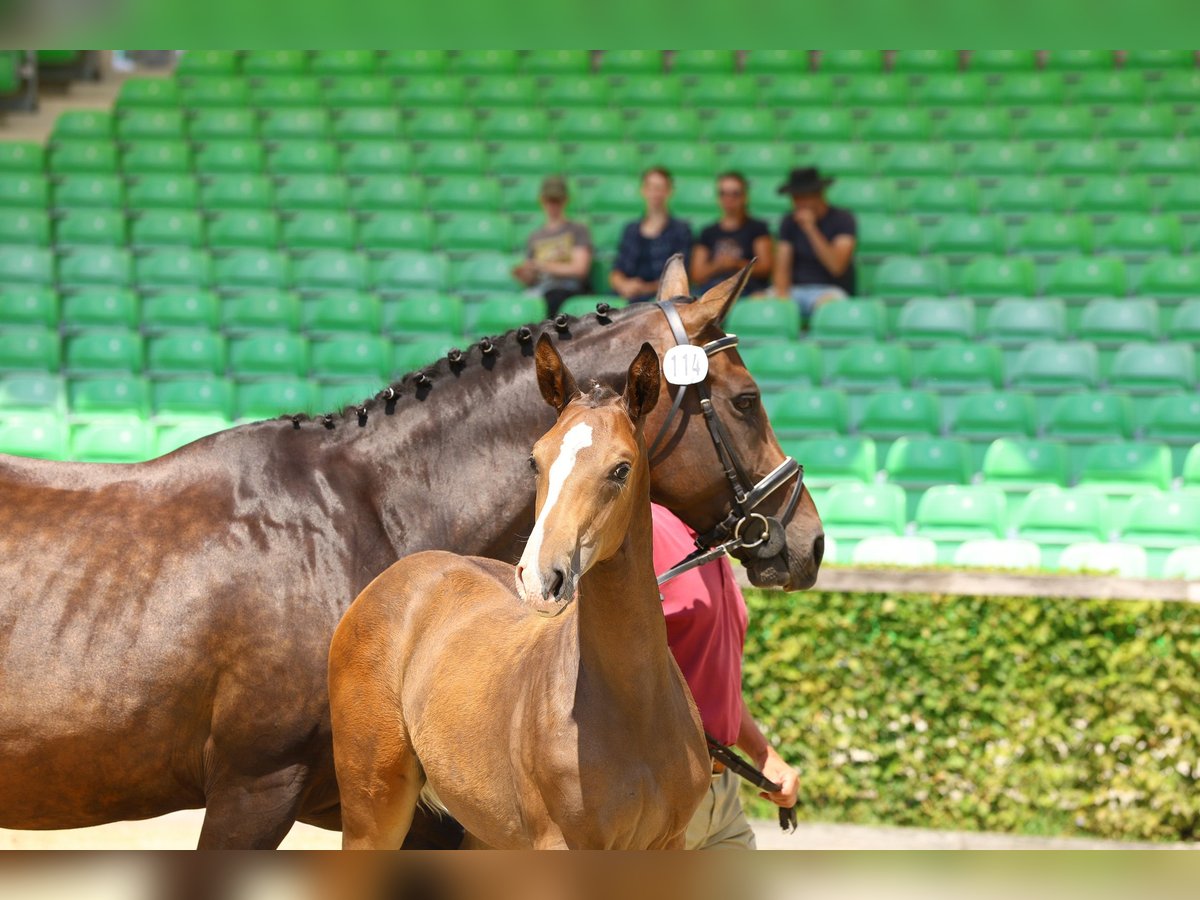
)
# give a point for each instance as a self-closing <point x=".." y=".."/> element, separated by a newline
<point x="558" y="255"/>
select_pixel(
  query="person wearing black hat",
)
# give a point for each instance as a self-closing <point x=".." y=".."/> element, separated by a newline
<point x="815" y="259"/>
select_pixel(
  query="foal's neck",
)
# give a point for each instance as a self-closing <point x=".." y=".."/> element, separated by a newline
<point x="622" y="632"/>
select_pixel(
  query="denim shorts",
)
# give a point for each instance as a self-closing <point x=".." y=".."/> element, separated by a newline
<point x="809" y="296"/>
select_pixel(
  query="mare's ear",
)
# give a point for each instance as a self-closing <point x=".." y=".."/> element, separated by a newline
<point x="714" y="306"/>
<point x="674" y="281"/>
<point x="555" y="380"/>
<point x="642" y="383"/>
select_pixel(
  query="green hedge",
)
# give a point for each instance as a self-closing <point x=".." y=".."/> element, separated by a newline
<point x="999" y="714"/>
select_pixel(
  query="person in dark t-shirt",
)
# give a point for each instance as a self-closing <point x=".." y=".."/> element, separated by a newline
<point x="647" y="243"/>
<point x="732" y="241"/>
<point x="814" y="262"/>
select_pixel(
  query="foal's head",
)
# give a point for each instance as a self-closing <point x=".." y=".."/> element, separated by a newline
<point x="591" y="472"/>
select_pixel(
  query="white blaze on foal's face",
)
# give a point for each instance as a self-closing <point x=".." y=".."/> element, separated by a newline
<point x="530" y="583"/>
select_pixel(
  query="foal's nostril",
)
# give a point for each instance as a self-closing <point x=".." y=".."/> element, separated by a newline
<point x="818" y="550"/>
<point x="556" y="586"/>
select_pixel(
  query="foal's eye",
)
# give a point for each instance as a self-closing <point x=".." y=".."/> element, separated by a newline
<point x="533" y="465"/>
<point x="620" y="473"/>
<point x="745" y="402"/>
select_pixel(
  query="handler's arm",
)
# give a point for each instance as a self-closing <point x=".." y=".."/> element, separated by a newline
<point x="754" y="743"/>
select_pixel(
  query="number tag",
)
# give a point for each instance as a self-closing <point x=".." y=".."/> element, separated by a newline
<point x="685" y="364"/>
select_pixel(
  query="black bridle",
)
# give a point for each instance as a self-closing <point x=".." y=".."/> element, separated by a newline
<point x="742" y="528"/>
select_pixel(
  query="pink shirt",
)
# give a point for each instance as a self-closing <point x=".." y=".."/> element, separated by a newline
<point x="706" y="626"/>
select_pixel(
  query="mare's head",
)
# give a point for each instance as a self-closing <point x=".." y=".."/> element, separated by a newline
<point x="688" y="476"/>
<point x="592" y="473"/>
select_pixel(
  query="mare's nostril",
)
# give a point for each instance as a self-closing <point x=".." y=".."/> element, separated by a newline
<point x="818" y="550"/>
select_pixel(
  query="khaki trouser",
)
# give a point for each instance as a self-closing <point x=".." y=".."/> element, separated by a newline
<point x="719" y="823"/>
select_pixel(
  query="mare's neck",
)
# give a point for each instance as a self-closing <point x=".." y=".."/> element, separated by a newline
<point x="622" y="632"/>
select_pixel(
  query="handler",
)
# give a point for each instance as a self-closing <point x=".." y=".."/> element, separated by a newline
<point x="706" y="630"/>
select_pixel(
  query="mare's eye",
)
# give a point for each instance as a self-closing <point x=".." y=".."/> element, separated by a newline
<point x="620" y="473"/>
<point x="745" y="401"/>
<point x="533" y="465"/>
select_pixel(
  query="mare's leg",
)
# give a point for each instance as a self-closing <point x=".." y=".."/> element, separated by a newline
<point x="252" y="812"/>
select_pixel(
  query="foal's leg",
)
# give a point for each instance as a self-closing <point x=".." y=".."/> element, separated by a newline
<point x="380" y="789"/>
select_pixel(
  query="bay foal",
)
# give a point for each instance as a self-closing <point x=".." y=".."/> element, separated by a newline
<point x="540" y="704"/>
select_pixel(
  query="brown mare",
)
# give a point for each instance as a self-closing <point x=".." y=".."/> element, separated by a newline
<point x="165" y="626"/>
<point x="539" y="702"/>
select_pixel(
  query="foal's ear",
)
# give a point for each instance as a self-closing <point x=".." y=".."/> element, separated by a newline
<point x="674" y="281"/>
<point x="642" y="383"/>
<point x="555" y="380"/>
<point x="714" y="306"/>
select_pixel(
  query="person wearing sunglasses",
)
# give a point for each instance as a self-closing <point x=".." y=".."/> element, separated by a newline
<point x="728" y="244"/>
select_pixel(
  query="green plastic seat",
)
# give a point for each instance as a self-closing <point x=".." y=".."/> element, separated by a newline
<point x="782" y="364"/>
<point x="890" y="550"/>
<point x="1112" y="321"/>
<point x="168" y="228"/>
<point x="424" y="314"/>
<point x="1052" y="367"/>
<point x="351" y="356"/>
<point x="1003" y="60"/>
<point x="112" y="439"/>
<point x="885" y="235"/>
<point x="1126" y="467"/>
<point x="916" y="160"/>
<point x="892" y="414"/>
<point x="1160" y="59"/>
<point x="525" y="158"/>
<point x="1075" y="60"/>
<point x="834" y="324"/>
<point x="369" y="95"/>
<point x="401" y="230"/>
<point x="26" y="347"/>
<point x="1055" y="518"/>
<point x="976" y="123"/>
<point x="1107" y="88"/>
<point x="1191" y="469"/>
<point x="84" y="227"/>
<point x="415" y="355"/>
<point x="264" y="310"/>
<point x="567" y="92"/>
<point x="950" y="514"/>
<point x="313" y="192"/>
<point x="1142" y="235"/>
<point x="1113" y="194"/>
<point x="174" y="267"/>
<point x="872" y="365"/>
<point x="413" y="62"/>
<point x="1015" y="321"/>
<point x="1171" y="276"/>
<point x="993" y="553"/>
<point x="1165" y="156"/>
<point x="737" y="125"/>
<point x="505" y="90"/>
<point x="805" y="412"/>
<point x="342" y="312"/>
<point x="814" y="124"/>
<point x="238" y="157"/>
<point x="331" y="270"/>
<point x="993" y="160"/>
<point x="223" y="124"/>
<point x="851" y="61"/>
<point x="911" y="276"/>
<point x="1047" y="234"/>
<point x="35" y="434"/>
<point x="368" y="124"/>
<point x="852" y="512"/>
<point x="556" y="62"/>
<point x="843" y="158"/>
<point x="1182" y="563"/>
<point x="376" y="157"/>
<point x="1087" y="276"/>
<point x="93" y="266"/>
<point x="631" y="62"/>
<point x="888" y="124"/>
<point x="1053" y="123"/>
<point x="611" y="194"/>
<point x="320" y="230"/>
<point x="343" y="62"/>
<point x="1140" y="122"/>
<point x="959" y="235"/>
<point x="946" y="89"/>
<point x="1184" y="326"/>
<point x="646" y="92"/>
<point x="24" y="157"/>
<point x="468" y="232"/>
<point x="864" y="195"/>
<point x="1151" y="368"/>
<point x="25" y="264"/>
<point x="498" y="315"/>
<point x="32" y="392"/>
<point x="294" y="124"/>
<point x="163" y="191"/>
<point x="485" y="62"/>
<point x="942" y="196"/>
<point x="447" y="157"/>
<point x="387" y="192"/>
<point x="459" y="193"/>
<point x="151" y="125"/>
<point x="274" y="93"/>
<point x="833" y="460"/>
<point x="240" y="228"/>
<point x="100" y="308"/>
<point x="83" y="156"/>
<point x="603" y="158"/>
<point x="301" y="156"/>
<point x="91" y="191"/>
<point x="149" y="157"/>
<point x="274" y="397"/>
<point x="1020" y="465"/>
<point x="180" y="309"/>
<point x="410" y="271"/>
<point x="275" y="62"/>
<point x="1082" y="157"/>
<point x="756" y="319"/>
<point x="515" y="123"/>
<point x="876" y="90"/>
<point x="1112" y="557"/>
<point x="956" y="367"/>
<point x="1026" y="89"/>
<point x="334" y="395"/>
<point x="441" y="123"/>
<point x="128" y="394"/>
<point x="432" y="90"/>
<point x="28" y="305"/>
<point x="1085" y="417"/>
<point x="797" y="92"/>
<point x="214" y="92"/>
<point x="1160" y="524"/>
<point x="148" y="93"/>
<point x="484" y="272"/>
<point x="192" y="399"/>
<point x="986" y="416"/>
<point x="267" y="354"/>
<point x="720" y="92"/>
<point x="918" y="463"/>
<point x="704" y="62"/>
<point x="103" y="350"/>
<point x="208" y="62"/>
<point x="775" y="62"/>
<point x="925" y="61"/>
<point x="589" y="123"/>
<point x="1177" y="86"/>
<point x="24" y="190"/>
<point x="190" y="352"/>
<point x="1023" y="195"/>
<point x="252" y="268"/>
<point x="83" y="124"/>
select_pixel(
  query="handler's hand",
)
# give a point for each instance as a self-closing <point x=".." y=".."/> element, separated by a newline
<point x="782" y="774"/>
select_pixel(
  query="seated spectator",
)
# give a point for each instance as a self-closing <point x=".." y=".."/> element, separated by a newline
<point x="727" y="245"/>
<point x="558" y="256"/>
<point x="648" y="243"/>
<point x="815" y="259"/>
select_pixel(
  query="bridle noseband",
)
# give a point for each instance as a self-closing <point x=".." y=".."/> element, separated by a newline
<point x="742" y="528"/>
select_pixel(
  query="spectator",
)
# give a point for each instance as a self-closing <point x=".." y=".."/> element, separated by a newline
<point x="648" y="243"/>
<point x="726" y="246"/>
<point x="706" y="630"/>
<point x="815" y="262"/>
<point x="558" y="256"/>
